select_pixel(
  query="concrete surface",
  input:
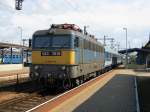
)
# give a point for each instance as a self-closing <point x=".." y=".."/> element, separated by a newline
<point x="9" y="67"/>
<point x="112" y="93"/>
<point x="69" y="101"/>
<point x="117" y="96"/>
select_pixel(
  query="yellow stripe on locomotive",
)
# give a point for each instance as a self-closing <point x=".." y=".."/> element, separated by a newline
<point x="65" y="57"/>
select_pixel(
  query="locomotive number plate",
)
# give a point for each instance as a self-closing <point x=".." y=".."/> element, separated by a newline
<point x="50" y="53"/>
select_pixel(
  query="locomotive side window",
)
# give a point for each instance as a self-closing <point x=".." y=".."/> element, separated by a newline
<point x="76" y="42"/>
<point x="85" y="44"/>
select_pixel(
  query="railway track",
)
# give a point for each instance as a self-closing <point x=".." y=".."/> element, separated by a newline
<point x="13" y="82"/>
<point x="27" y="102"/>
<point x="33" y="95"/>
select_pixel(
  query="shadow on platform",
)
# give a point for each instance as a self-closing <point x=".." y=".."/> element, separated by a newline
<point x="143" y="83"/>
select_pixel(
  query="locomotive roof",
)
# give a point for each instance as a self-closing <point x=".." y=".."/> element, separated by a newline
<point x="64" y="32"/>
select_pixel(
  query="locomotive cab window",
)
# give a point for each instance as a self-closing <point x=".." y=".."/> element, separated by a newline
<point x="60" y="41"/>
<point x="52" y="41"/>
<point x="41" y="42"/>
<point x="76" y="42"/>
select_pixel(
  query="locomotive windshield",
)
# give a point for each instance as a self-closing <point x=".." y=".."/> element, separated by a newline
<point x="55" y="41"/>
<point x="41" y="42"/>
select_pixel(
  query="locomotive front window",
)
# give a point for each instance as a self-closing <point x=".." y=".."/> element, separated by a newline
<point x="52" y="41"/>
<point x="41" y="42"/>
<point x="60" y="41"/>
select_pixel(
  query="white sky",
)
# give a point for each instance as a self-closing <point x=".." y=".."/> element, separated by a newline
<point x="104" y="17"/>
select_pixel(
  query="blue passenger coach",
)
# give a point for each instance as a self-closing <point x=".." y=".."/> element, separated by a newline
<point x="14" y="59"/>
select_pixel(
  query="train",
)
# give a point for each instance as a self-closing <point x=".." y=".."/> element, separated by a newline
<point x="8" y="59"/>
<point x="15" y="58"/>
<point x="65" y="56"/>
<point x="112" y="58"/>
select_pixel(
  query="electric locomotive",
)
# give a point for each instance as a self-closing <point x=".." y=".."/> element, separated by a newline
<point x="65" y="56"/>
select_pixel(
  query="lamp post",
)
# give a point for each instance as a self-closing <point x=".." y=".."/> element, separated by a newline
<point x="105" y="40"/>
<point x="126" y="47"/>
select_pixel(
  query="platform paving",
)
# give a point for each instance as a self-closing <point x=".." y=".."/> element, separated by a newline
<point x="10" y="67"/>
<point x="118" y="95"/>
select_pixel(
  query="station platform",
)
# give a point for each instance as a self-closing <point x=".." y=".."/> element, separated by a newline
<point x="9" y="72"/>
<point x="118" y="95"/>
<point x="10" y="67"/>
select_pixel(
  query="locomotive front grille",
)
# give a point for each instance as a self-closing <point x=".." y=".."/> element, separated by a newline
<point x="49" y="71"/>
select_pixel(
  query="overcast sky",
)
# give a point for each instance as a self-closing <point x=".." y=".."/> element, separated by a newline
<point x="104" y="17"/>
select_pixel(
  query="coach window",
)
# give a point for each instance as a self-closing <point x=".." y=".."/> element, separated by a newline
<point x="76" y="42"/>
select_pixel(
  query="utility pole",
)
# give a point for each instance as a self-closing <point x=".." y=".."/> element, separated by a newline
<point x="112" y="41"/>
<point x="85" y="29"/>
<point x="105" y="38"/>
<point x="126" y="47"/>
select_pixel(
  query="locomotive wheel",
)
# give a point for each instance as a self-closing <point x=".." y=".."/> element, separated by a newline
<point x="81" y="81"/>
<point x="67" y="84"/>
<point x="77" y="81"/>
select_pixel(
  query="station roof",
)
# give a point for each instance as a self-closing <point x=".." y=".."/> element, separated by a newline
<point x="135" y="50"/>
<point x="8" y="45"/>
<point x="147" y="45"/>
<point x="146" y="49"/>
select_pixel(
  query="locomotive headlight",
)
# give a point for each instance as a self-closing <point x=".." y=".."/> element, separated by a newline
<point x="61" y="75"/>
<point x="36" y="67"/>
<point x="49" y="74"/>
<point x="36" y="74"/>
<point x="63" y="67"/>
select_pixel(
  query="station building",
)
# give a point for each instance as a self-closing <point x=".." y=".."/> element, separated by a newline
<point x="143" y="54"/>
<point x="8" y="55"/>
